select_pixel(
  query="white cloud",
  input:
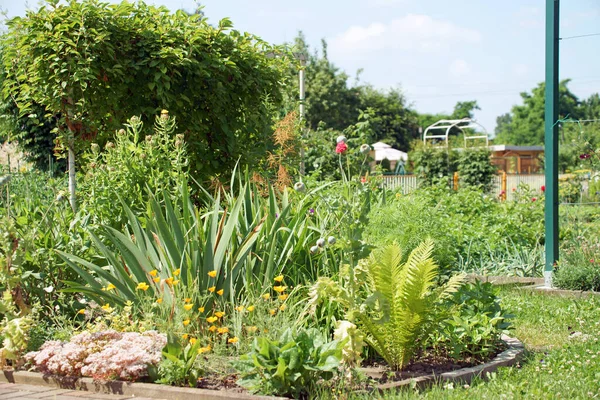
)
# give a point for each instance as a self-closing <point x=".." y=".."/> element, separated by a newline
<point x="412" y="32"/>
<point x="459" y="68"/>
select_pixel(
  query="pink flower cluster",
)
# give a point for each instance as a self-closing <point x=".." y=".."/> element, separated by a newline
<point x="103" y="355"/>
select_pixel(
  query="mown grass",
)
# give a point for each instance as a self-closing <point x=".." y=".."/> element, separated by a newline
<point x="562" y="335"/>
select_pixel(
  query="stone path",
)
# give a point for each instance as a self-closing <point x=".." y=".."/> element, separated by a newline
<point x="32" y="392"/>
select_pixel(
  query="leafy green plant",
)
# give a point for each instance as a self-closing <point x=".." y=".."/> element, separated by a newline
<point x="291" y="365"/>
<point x="476" y="169"/>
<point x="432" y="164"/>
<point x="470" y="323"/>
<point x="179" y="366"/>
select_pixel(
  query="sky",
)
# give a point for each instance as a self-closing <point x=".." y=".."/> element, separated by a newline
<point x="438" y="52"/>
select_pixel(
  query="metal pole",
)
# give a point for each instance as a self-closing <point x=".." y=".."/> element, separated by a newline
<point x="302" y="98"/>
<point x="551" y="138"/>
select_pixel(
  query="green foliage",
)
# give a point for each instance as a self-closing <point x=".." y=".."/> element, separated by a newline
<point x="462" y="109"/>
<point x="579" y="268"/>
<point x="131" y="167"/>
<point x="179" y="366"/>
<point x="472" y="322"/>
<point x="290" y="366"/>
<point x="402" y="301"/>
<point x="475" y="168"/>
<point x="433" y="165"/>
<point x="93" y="64"/>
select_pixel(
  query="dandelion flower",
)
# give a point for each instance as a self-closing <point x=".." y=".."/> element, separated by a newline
<point x="177" y="272"/>
<point x="223" y="330"/>
<point x="175" y="282"/>
<point x="398" y="195"/>
<point x="201" y="309"/>
<point x="212" y="289"/>
<point x="266" y="296"/>
<point x="283" y="297"/>
<point x="206" y="349"/>
<point x="184" y="336"/>
<point x="107" y="307"/>
<point x="143" y="286"/>
<point x="212" y="273"/>
<point x="279" y="289"/>
<point x="187" y="300"/>
<point x="193" y="341"/>
<point x="82" y="311"/>
<point x="153" y="272"/>
<point x="110" y="286"/>
<point x="278" y="278"/>
<point x="219" y="314"/>
<point x="159" y="300"/>
<point x="169" y="280"/>
<point x="282" y="307"/>
<point x="186" y="322"/>
<point x="220" y="292"/>
<point x="233" y="340"/>
<point x="188" y="307"/>
<point x="272" y="312"/>
<point x="212" y="328"/>
<point x="250" y="308"/>
<point x="210" y="320"/>
<point x="239" y="308"/>
<point x="156" y="280"/>
<point x="251" y="329"/>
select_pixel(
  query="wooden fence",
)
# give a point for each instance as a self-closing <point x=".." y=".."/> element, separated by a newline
<point x="407" y="183"/>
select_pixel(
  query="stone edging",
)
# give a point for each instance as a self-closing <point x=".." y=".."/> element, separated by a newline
<point x="507" y="358"/>
<point x="135" y="389"/>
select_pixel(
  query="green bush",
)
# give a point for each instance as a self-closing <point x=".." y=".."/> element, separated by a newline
<point x="579" y="266"/>
<point x="433" y="165"/>
<point x="475" y="168"/>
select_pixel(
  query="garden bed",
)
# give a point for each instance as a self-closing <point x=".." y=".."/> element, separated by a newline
<point x="509" y="357"/>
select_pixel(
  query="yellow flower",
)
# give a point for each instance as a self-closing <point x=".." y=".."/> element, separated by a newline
<point x="210" y="320"/>
<point x="110" y="286"/>
<point x="153" y="272"/>
<point x="187" y="300"/>
<point x="169" y="280"/>
<point x="220" y="292"/>
<point x="212" y="289"/>
<point x="159" y="300"/>
<point x="143" y="285"/>
<point x="212" y="328"/>
<point x="107" y="307"/>
<point x="175" y="282"/>
<point x="193" y="341"/>
<point x="156" y="280"/>
<point x="278" y="278"/>
<point x="223" y="330"/>
<point x="184" y="336"/>
<point x="282" y="297"/>
<point x="188" y="307"/>
<point x="239" y="308"/>
<point x="266" y="296"/>
<point x="251" y="329"/>
<point x="272" y="312"/>
<point x="177" y="272"/>
<point x="82" y="311"/>
<point x="212" y="273"/>
<point x="219" y="314"/>
<point x="250" y="308"/>
<point x="201" y="309"/>
<point x="204" y="349"/>
<point x="186" y="322"/>
<point x="233" y="340"/>
<point x="279" y="289"/>
<point x="282" y="307"/>
<point x="398" y="195"/>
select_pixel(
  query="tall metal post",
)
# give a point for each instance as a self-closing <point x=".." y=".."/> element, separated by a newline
<point x="302" y="58"/>
<point x="551" y="138"/>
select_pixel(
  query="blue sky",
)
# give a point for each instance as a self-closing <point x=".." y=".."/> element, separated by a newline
<point x="438" y="51"/>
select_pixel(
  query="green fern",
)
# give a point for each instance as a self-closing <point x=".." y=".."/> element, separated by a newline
<point x="395" y="316"/>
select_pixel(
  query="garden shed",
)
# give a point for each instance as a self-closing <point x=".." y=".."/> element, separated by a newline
<point x="517" y="159"/>
<point x="382" y="151"/>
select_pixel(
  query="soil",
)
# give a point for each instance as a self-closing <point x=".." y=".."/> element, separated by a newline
<point x="220" y="382"/>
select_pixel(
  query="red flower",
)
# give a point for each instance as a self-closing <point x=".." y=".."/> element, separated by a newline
<point x="584" y="156"/>
<point x="534" y="199"/>
<point x="363" y="179"/>
<point x="592" y="260"/>
<point x="543" y="188"/>
<point x="341" y="148"/>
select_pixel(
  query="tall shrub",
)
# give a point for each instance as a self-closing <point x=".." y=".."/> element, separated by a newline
<point x="475" y="168"/>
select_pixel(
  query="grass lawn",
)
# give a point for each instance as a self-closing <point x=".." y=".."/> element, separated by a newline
<point x="562" y="335"/>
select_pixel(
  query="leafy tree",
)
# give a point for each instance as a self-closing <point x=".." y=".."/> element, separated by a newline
<point x="462" y="109"/>
<point x="526" y="126"/>
<point x="94" y="64"/>
<point x="433" y="164"/>
<point x="475" y="169"/>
